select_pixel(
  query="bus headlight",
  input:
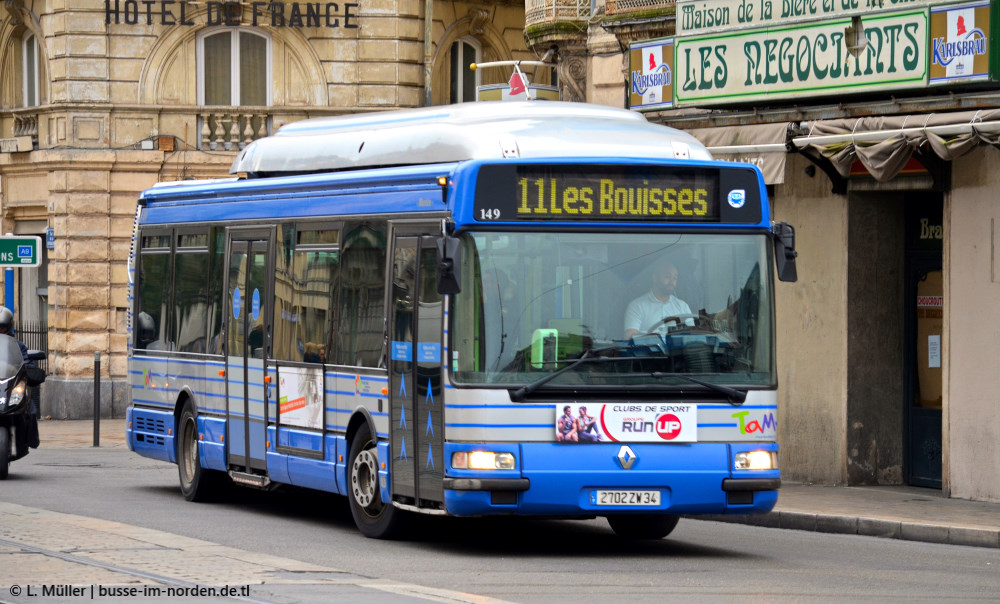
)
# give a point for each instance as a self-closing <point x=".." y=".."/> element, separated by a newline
<point x="756" y="460"/>
<point x="482" y="460"/>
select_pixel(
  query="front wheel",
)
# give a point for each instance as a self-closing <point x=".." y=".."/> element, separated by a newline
<point x="4" y="452"/>
<point x="197" y="483"/>
<point x="643" y="526"/>
<point x="374" y="518"/>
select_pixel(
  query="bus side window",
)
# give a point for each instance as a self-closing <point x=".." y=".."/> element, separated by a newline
<point x="191" y="292"/>
<point x="315" y="273"/>
<point x="153" y="301"/>
<point x="283" y="342"/>
<point x="357" y="336"/>
<point x="216" y="283"/>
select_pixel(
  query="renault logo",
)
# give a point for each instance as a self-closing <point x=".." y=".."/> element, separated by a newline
<point x="626" y="457"/>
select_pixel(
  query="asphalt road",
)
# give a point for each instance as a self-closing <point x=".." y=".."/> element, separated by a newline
<point x="508" y="558"/>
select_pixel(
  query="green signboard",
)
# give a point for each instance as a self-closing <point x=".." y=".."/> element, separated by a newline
<point x="729" y="52"/>
<point x="20" y="251"/>
<point x="801" y="60"/>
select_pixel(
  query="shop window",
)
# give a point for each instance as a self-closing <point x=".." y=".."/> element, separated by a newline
<point x="463" y="79"/>
<point x="29" y="69"/>
<point x="234" y="68"/>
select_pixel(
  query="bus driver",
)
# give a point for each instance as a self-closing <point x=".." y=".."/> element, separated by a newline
<point x="645" y="313"/>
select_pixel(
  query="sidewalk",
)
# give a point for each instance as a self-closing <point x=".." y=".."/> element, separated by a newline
<point x="74" y="434"/>
<point x="67" y="558"/>
<point x="909" y="513"/>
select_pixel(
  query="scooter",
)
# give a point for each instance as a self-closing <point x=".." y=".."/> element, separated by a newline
<point x="16" y="378"/>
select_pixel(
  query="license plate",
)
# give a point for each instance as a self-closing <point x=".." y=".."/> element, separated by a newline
<point x="627" y="498"/>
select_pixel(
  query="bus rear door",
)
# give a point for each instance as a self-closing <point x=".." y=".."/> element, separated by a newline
<point x="248" y="338"/>
<point x="416" y="413"/>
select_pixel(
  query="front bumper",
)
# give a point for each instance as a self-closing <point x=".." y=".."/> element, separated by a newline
<point x="561" y="480"/>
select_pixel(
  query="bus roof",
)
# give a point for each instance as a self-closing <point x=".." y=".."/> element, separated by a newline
<point x="453" y="133"/>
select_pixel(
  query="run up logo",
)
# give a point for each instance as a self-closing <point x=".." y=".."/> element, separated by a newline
<point x="657" y="422"/>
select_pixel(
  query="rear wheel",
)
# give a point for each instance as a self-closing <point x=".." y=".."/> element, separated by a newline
<point x="643" y="526"/>
<point x="4" y="451"/>
<point x="197" y="483"/>
<point x="374" y="518"/>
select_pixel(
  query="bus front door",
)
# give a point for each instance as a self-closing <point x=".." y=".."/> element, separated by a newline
<point x="416" y="414"/>
<point x="248" y="333"/>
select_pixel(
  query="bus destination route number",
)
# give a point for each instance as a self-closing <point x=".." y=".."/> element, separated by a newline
<point x="608" y="199"/>
<point x="597" y="194"/>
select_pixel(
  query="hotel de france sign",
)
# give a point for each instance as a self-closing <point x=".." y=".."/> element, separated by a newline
<point x="274" y="14"/>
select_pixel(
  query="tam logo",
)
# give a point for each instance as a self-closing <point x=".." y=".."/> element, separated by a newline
<point x="767" y="422"/>
<point x="668" y="426"/>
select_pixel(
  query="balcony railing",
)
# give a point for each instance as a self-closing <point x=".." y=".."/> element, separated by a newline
<point x="230" y="129"/>
<point x="624" y="7"/>
<point x="26" y="123"/>
<point x="549" y="11"/>
<point x="193" y="127"/>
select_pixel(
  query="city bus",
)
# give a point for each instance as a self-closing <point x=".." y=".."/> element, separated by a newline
<point x="426" y="310"/>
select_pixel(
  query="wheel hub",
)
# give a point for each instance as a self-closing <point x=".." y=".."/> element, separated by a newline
<point x="364" y="476"/>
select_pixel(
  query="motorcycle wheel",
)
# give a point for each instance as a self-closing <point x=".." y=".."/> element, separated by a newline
<point x="4" y="452"/>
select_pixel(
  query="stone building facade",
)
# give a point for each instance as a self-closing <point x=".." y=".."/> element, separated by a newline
<point x="100" y="100"/>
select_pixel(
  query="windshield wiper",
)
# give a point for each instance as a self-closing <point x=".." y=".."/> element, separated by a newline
<point x="587" y="357"/>
<point x="735" y="397"/>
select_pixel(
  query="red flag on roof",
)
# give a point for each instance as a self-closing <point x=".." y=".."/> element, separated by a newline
<point x="517" y="84"/>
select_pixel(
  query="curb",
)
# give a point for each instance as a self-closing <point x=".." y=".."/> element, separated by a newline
<point x="866" y="527"/>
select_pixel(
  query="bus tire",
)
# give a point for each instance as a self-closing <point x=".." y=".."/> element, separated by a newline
<point x="197" y="483"/>
<point x="374" y="518"/>
<point x="4" y="452"/>
<point x="643" y="526"/>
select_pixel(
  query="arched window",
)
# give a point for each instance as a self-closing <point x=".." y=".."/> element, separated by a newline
<point x="234" y="68"/>
<point x="29" y="69"/>
<point x="463" y="79"/>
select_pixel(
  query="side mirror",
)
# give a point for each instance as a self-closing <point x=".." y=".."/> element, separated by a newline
<point x="36" y="355"/>
<point x="449" y="259"/>
<point x="784" y="251"/>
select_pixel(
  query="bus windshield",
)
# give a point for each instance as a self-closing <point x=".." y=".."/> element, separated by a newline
<point x="613" y="309"/>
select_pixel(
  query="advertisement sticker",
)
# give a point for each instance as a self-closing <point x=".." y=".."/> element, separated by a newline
<point x="627" y="422"/>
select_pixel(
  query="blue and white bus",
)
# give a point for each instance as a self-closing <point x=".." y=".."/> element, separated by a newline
<point x="429" y="311"/>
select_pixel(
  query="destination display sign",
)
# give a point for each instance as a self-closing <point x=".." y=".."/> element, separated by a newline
<point x="607" y="193"/>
